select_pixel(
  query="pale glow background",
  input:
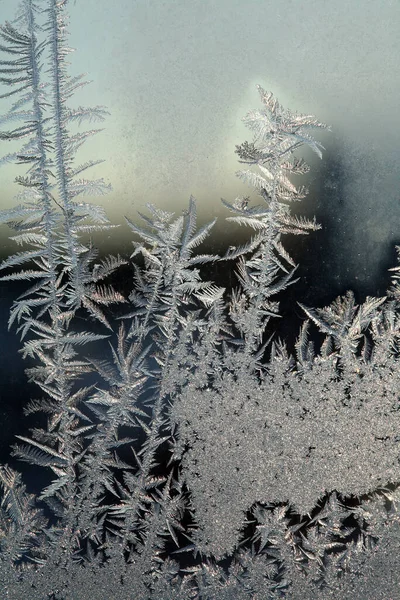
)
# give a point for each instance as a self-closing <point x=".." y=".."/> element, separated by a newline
<point x="178" y="75"/>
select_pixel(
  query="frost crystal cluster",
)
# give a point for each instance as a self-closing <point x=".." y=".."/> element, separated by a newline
<point x="199" y="459"/>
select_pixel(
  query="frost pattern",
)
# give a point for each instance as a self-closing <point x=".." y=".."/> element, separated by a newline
<point x="200" y="460"/>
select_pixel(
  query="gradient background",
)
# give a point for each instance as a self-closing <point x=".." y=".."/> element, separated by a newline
<point x="178" y="75"/>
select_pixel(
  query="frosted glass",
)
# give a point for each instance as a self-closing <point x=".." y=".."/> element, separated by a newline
<point x="215" y="415"/>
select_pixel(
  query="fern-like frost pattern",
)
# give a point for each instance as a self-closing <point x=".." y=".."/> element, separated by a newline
<point x="198" y="458"/>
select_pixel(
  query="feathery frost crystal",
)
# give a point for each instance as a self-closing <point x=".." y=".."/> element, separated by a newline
<point x="198" y="459"/>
